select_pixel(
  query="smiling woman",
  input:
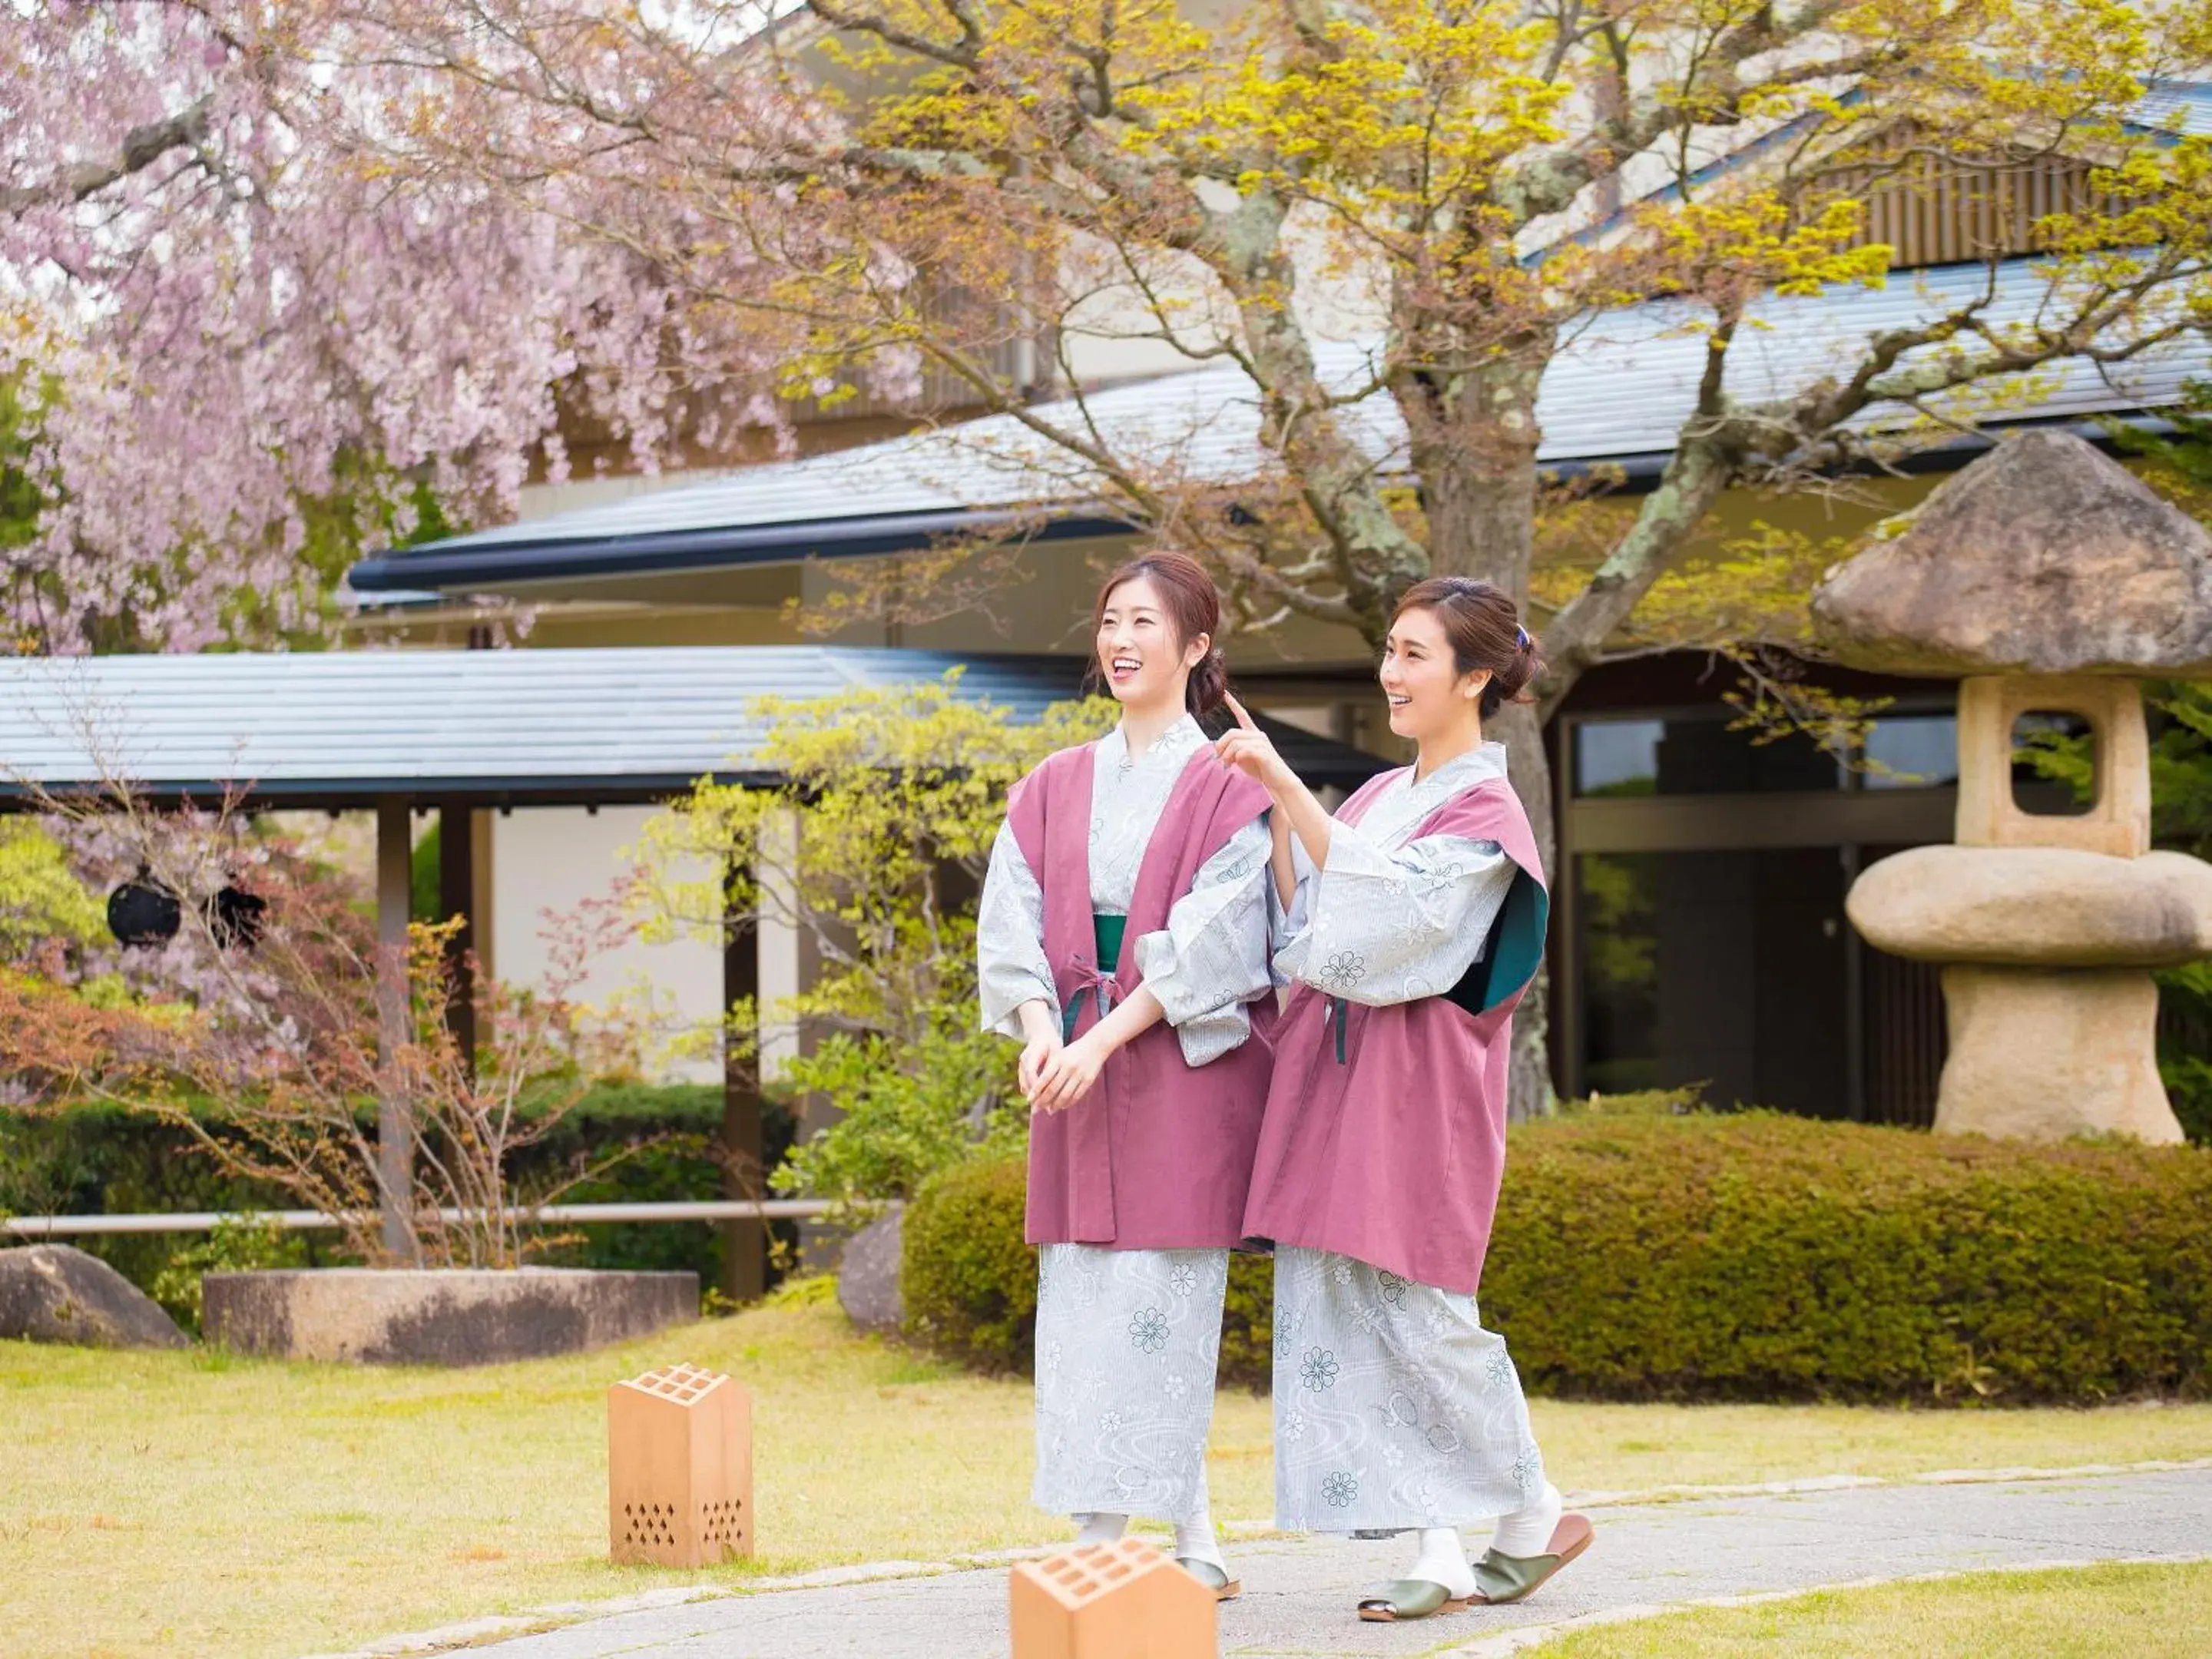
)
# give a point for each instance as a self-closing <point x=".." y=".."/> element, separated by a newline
<point x="1123" y="937"/>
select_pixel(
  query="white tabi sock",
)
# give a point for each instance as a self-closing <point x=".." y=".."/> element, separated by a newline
<point x="1101" y="1527"/>
<point x="1527" y="1531"/>
<point x="1194" y="1539"/>
<point x="1443" y="1560"/>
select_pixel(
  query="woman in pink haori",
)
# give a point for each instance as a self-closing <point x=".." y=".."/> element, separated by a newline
<point x="1414" y="921"/>
<point x="1123" y="936"/>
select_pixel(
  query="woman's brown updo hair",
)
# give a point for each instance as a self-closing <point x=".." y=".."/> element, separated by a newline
<point x="1194" y="607"/>
<point x="1485" y="631"/>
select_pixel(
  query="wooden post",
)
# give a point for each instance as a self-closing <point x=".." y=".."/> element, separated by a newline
<point x="745" y="1243"/>
<point x="395" y="1124"/>
<point x="457" y="897"/>
<point x="679" y="1469"/>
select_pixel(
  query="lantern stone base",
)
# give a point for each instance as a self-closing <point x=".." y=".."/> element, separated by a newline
<point x="430" y="1316"/>
<point x="2040" y="1054"/>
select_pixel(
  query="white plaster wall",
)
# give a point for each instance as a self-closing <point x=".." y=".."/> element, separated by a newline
<point x="553" y="859"/>
<point x="781" y="945"/>
<point x="543" y="501"/>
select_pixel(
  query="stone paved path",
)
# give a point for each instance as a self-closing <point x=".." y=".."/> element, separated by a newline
<point x="1299" y="1594"/>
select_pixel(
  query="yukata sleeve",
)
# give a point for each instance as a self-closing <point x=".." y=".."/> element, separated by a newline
<point x="1390" y="926"/>
<point x="1290" y="922"/>
<point x="1010" y="966"/>
<point x="1211" y="958"/>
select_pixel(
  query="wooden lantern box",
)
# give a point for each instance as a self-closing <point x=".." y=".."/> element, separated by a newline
<point x="679" y="1469"/>
<point x="1121" y="1601"/>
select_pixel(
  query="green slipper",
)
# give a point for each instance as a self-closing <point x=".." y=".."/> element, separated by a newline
<point x="1225" y="1588"/>
<point x="1409" y="1598"/>
<point x="1503" y="1578"/>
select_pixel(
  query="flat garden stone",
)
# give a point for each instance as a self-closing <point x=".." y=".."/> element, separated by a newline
<point x="58" y="1293"/>
<point x="440" y="1316"/>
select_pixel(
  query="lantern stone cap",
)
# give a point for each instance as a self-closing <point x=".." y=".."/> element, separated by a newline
<point x="2045" y="556"/>
<point x="2036" y="907"/>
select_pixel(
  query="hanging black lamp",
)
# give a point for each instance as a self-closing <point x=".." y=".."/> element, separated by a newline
<point x="141" y="911"/>
<point x="234" y="918"/>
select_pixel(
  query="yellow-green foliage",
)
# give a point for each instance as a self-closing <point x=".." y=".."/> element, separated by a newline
<point x="875" y="846"/>
<point x="883" y="792"/>
<point x="1753" y="1256"/>
<point x="1477" y="182"/>
<point x="40" y="898"/>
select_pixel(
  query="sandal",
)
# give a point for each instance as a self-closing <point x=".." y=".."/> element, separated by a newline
<point x="1225" y="1588"/>
<point x="1411" y="1598"/>
<point x="1500" y="1579"/>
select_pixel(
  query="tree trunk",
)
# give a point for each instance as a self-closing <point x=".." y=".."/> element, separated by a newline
<point x="1474" y="448"/>
<point x="1529" y="1092"/>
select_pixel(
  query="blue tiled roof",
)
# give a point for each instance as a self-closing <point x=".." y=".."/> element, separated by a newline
<point x="344" y="727"/>
<point x="2181" y="107"/>
<point x="1619" y="391"/>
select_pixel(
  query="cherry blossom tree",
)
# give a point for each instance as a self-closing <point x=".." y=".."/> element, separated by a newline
<point x="235" y="344"/>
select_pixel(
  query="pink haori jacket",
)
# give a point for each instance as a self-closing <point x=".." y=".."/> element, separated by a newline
<point x="1393" y="1154"/>
<point x="1158" y="1155"/>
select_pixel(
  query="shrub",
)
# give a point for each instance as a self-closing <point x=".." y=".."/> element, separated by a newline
<point x="1247" y="1323"/>
<point x="231" y="1247"/>
<point x="969" y="1281"/>
<point x="1762" y="1257"/>
<point x="1745" y="1257"/>
<point x="967" y="1277"/>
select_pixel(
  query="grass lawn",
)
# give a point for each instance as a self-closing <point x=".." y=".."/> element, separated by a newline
<point x="199" y="1504"/>
<point x="2087" y="1612"/>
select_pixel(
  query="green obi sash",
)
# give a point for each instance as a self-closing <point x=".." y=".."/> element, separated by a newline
<point x="1106" y="944"/>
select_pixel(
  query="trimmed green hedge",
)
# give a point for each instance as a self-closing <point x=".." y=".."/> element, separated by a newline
<point x="967" y="1277"/>
<point x="969" y="1281"/>
<point x="1747" y="1256"/>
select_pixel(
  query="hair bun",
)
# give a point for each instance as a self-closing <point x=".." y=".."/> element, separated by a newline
<point x="1485" y="628"/>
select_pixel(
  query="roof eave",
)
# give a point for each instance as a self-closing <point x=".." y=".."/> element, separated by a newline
<point x="513" y="564"/>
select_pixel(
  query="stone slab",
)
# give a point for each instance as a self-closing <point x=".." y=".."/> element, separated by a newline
<point x="1299" y="1594"/>
<point x="2036" y="907"/>
<point x="440" y="1316"/>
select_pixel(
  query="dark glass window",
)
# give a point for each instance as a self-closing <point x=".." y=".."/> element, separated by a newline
<point x="1618" y="757"/>
<point x="1614" y="908"/>
<point x="1725" y="969"/>
<point x="1912" y="751"/>
<point x="1693" y="755"/>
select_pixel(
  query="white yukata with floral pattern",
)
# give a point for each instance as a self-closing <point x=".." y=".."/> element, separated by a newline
<point x="1127" y="1341"/>
<point x="1393" y="1408"/>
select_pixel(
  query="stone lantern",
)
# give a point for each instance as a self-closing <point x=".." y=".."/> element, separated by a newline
<point x="2053" y="582"/>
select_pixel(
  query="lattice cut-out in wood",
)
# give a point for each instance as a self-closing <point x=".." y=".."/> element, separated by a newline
<point x="1121" y="1601"/>
<point x="679" y="1469"/>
